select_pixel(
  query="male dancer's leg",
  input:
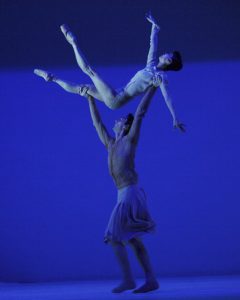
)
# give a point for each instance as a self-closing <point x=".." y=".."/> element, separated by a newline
<point x="144" y="260"/>
<point x="121" y="254"/>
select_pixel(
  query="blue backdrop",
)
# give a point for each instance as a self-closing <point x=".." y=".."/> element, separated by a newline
<point x="56" y="194"/>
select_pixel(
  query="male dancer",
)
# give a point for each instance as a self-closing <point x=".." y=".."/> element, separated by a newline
<point x="130" y="217"/>
<point x="154" y="74"/>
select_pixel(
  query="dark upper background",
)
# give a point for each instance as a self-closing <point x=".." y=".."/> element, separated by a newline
<point x="114" y="32"/>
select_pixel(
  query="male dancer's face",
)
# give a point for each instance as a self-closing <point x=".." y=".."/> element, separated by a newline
<point x="119" y="125"/>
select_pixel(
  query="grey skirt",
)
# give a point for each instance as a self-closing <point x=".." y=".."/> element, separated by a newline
<point x="130" y="216"/>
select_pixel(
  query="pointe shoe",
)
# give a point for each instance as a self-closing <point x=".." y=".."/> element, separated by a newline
<point x="147" y="287"/>
<point x="70" y="37"/>
<point x="124" y="286"/>
<point x="44" y="74"/>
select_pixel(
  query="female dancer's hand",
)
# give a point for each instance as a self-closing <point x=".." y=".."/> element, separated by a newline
<point x="151" y="19"/>
<point x="179" y="125"/>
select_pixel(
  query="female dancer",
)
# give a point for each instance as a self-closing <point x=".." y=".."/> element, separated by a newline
<point x="130" y="217"/>
<point x="154" y="74"/>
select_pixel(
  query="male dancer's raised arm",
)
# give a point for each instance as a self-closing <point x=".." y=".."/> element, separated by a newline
<point x="140" y="113"/>
<point x="103" y="134"/>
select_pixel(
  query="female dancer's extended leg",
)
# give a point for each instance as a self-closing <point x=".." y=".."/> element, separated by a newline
<point x="107" y="93"/>
<point x="80" y="89"/>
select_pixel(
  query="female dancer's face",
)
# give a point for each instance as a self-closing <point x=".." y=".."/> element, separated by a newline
<point x="165" y="59"/>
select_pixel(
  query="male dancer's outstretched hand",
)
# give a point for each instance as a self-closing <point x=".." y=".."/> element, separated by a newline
<point x="83" y="91"/>
<point x="151" y="19"/>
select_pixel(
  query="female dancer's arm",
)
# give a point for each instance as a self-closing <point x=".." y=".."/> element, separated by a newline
<point x="168" y="101"/>
<point x="152" y="53"/>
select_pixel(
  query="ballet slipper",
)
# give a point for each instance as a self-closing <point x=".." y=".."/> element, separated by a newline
<point x="47" y="76"/>
<point x="83" y="90"/>
<point x="70" y="37"/>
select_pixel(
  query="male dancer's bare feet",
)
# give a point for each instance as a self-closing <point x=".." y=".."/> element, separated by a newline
<point x="70" y="37"/>
<point x="124" y="286"/>
<point x="147" y="287"/>
<point x="47" y="76"/>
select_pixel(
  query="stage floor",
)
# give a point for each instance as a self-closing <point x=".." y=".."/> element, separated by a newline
<point x="191" y="288"/>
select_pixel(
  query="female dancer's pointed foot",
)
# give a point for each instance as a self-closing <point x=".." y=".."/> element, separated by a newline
<point x="70" y="37"/>
<point x="44" y="74"/>
<point x="124" y="286"/>
<point x="147" y="287"/>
